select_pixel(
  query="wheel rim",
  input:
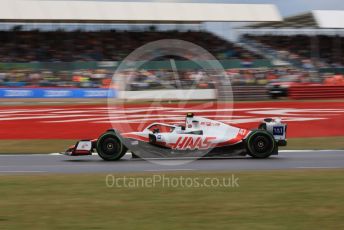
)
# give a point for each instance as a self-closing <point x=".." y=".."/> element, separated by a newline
<point x="110" y="147"/>
<point x="261" y="144"/>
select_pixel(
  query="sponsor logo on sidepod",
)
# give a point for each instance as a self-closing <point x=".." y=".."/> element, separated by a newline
<point x="192" y="143"/>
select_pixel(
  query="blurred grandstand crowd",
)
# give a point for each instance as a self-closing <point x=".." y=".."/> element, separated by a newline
<point x="312" y="51"/>
<point x="59" y="46"/>
<point x="158" y="79"/>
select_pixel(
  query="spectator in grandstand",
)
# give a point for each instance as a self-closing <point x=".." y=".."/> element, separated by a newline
<point x="326" y="52"/>
<point x="60" y="46"/>
<point x="152" y="79"/>
<point x="336" y="79"/>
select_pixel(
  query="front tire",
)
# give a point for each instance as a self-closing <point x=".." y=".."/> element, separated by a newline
<point x="260" y="144"/>
<point x="109" y="147"/>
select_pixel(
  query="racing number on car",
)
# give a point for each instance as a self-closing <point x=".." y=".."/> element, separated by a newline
<point x="192" y="143"/>
<point x="278" y="130"/>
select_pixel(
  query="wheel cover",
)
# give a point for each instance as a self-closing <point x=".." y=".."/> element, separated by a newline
<point x="261" y="144"/>
<point x="110" y="147"/>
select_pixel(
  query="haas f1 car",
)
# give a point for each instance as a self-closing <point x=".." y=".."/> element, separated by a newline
<point x="199" y="137"/>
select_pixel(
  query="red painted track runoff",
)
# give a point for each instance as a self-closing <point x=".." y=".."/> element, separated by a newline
<point x="304" y="119"/>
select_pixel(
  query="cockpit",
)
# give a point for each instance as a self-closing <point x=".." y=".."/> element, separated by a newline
<point x="161" y="128"/>
<point x="191" y="127"/>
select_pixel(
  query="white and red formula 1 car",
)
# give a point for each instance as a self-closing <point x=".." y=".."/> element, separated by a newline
<point x="197" y="138"/>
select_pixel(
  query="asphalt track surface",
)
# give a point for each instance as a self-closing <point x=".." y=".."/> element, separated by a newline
<point x="22" y="164"/>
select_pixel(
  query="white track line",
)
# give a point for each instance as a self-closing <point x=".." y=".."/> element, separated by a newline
<point x="161" y="170"/>
<point x="129" y="153"/>
<point x="311" y="150"/>
<point x="22" y="171"/>
<point x="318" y="167"/>
<point x="281" y="151"/>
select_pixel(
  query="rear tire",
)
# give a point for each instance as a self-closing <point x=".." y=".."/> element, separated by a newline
<point x="109" y="147"/>
<point x="260" y="144"/>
